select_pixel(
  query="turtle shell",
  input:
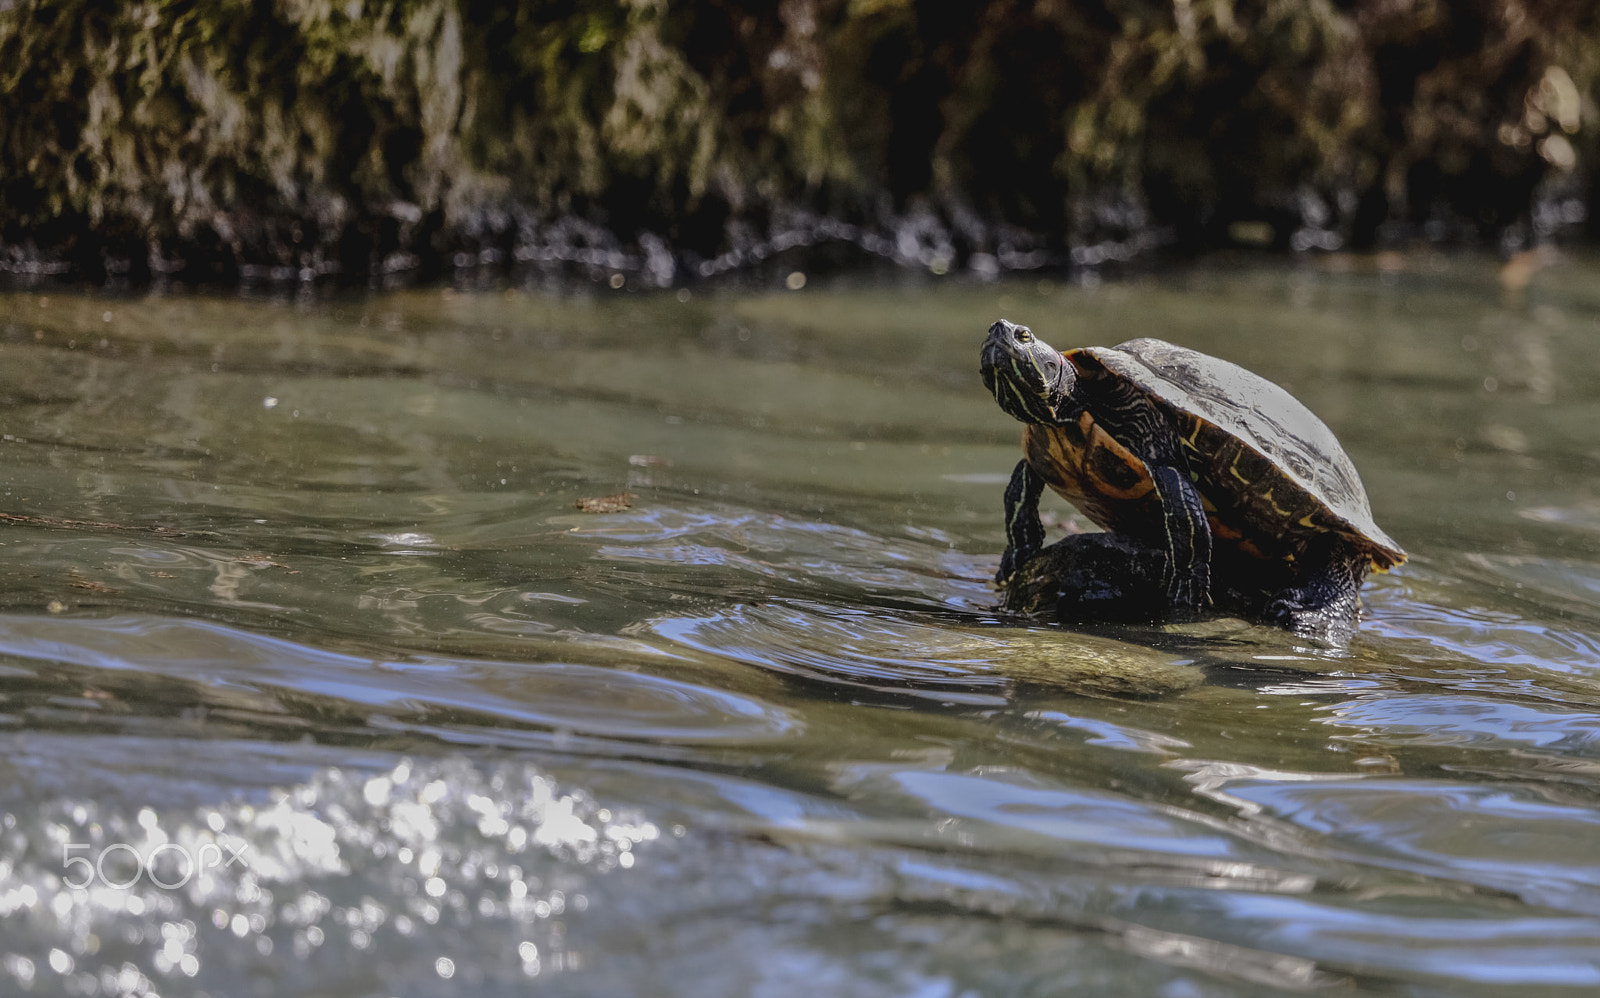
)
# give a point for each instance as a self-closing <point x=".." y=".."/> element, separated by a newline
<point x="1268" y="466"/>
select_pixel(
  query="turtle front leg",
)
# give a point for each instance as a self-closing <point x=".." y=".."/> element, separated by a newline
<point x="1188" y="539"/>
<point x="1133" y="421"/>
<point x="1024" y="532"/>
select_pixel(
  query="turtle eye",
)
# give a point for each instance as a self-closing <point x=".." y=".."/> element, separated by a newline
<point x="1024" y="334"/>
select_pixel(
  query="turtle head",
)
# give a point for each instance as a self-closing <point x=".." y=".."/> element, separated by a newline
<point x="1028" y="377"/>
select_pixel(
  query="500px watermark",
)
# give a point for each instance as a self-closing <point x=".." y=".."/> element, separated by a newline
<point x="168" y="865"/>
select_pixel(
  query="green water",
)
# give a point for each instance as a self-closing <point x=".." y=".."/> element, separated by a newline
<point x="305" y="587"/>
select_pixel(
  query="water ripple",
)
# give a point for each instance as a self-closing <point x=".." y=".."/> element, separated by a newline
<point x="1505" y="838"/>
<point x="586" y="699"/>
<point x="796" y="552"/>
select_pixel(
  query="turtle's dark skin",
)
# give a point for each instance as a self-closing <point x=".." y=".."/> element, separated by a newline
<point x="1237" y="492"/>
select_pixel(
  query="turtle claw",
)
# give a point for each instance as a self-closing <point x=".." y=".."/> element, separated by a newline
<point x="1010" y="562"/>
<point x="1284" y="612"/>
<point x="1192" y="592"/>
<point x="1309" y="621"/>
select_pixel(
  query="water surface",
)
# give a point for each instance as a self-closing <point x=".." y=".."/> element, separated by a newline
<point x="299" y="605"/>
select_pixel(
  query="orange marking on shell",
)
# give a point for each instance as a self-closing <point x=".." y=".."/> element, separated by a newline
<point x="1066" y="458"/>
<point x="1224" y="531"/>
<point x="1100" y="440"/>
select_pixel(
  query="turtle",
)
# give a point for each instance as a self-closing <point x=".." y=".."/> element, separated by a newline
<point x="1225" y="474"/>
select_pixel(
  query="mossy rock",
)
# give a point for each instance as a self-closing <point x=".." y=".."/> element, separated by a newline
<point x="216" y="140"/>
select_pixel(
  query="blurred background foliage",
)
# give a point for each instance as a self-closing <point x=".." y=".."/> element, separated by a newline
<point x="214" y="139"/>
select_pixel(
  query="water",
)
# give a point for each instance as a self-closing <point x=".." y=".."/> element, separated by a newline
<point x="316" y="678"/>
